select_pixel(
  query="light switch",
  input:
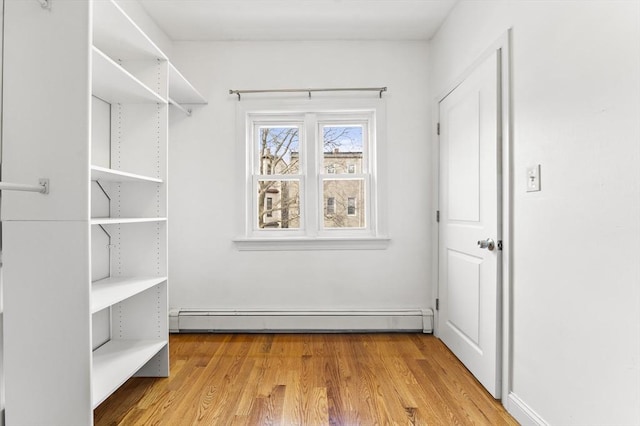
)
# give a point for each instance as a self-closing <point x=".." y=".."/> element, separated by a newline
<point x="533" y="178"/>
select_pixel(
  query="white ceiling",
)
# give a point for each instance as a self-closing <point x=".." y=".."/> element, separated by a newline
<point x="298" y="19"/>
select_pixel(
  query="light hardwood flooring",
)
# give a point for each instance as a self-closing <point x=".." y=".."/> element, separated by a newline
<point x="306" y="379"/>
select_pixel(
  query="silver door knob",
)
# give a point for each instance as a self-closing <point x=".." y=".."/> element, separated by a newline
<point x="487" y="244"/>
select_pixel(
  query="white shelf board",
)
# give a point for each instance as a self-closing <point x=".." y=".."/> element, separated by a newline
<point x="116" y="34"/>
<point x="121" y="220"/>
<point x="116" y="361"/>
<point x="112" y="83"/>
<point x="109" y="291"/>
<point x="111" y="175"/>
<point x="181" y="91"/>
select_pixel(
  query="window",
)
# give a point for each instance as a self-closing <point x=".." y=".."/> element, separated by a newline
<point x="269" y="207"/>
<point x="351" y="206"/>
<point x="311" y="173"/>
<point x="331" y="205"/>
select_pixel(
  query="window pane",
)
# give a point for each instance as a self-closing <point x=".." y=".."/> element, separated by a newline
<point x="342" y="148"/>
<point x="278" y="204"/>
<point x="278" y="150"/>
<point x="345" y="203"/>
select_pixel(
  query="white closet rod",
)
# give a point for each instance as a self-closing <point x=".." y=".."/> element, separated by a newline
<point x="42" y="186"/>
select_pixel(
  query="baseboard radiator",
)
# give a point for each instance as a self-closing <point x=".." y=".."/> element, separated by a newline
<point x="290" y="321"/>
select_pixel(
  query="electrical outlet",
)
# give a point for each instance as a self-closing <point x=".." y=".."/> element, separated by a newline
<point x="533" y="178"/>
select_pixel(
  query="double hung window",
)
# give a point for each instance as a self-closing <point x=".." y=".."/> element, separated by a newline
<point x="311" y="174"/>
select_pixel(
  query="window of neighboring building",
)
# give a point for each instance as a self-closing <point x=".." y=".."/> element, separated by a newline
<point x="351" y="206"/>
<point x="331" y="205"/>
<point x="306" y="170"/>
<point x="269" y="207"/>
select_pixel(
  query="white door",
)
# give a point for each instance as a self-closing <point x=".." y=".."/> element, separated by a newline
<point x="469" y="265"/>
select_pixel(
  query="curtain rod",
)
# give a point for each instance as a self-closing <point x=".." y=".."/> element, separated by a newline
<point x="346" y="89"/>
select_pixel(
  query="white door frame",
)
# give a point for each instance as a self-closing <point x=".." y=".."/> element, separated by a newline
<point x="503" y="45"/>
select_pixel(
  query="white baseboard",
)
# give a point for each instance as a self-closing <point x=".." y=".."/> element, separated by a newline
<point x="217" y="320"/>
<point x="522" y="412"/>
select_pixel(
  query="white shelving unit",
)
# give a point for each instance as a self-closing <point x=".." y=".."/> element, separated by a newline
<point x="116" y="361"/>
<point x="113" y="84"/>
<point x="181" y="92"/>
<point x="104" y="174"/>
<point x="85" y="267"/>
<point x="109" y="291"/>
<point x="123" y="220"/>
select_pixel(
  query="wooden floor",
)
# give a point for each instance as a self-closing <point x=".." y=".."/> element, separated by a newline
<point x="306" y="379"/>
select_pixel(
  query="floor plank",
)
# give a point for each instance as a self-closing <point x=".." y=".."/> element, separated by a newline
<point x="306" y="379"/>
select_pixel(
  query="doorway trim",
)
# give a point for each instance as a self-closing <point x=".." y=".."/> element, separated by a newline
<point x="502" y="45"/>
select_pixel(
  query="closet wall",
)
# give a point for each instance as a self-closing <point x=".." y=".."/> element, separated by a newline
<point x="207" y="271"/>
<point x="576" y="103"/>
<point x="84" y="264"/>
<point x="1" y="284"/>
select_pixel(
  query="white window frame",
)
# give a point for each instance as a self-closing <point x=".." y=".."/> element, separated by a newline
<point x="312" y="234"/>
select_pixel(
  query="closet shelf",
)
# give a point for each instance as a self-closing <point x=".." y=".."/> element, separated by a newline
<point x="115" y="33"/>
<point x="180" y="90"/>
<point x="114" y="84"/>
<point x="111" y="175"/>
<point x="122" y="220"/>
<point x="116" y="361"/>
<point x="109" y="291"/>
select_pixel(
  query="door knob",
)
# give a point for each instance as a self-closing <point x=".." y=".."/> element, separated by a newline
<point x="487" y="244"/>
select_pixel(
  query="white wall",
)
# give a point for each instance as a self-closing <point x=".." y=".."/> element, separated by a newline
<point x="206" y="270"/>
<point x="1" y="283"/>
<point x="576" y="264"/>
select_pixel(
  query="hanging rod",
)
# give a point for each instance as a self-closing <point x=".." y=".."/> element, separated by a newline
<point x="42" y="186"/>
<point x="309" y="91"/>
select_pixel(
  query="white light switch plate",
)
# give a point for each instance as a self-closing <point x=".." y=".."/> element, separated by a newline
<point x="533" y="178"/>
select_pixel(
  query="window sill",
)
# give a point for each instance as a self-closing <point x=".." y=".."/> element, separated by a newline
<point x="295" y="244"/>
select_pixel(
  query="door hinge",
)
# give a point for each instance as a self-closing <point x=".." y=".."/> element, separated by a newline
<point x="499" y="244"/>
<point x="437" y="215"/>
<point x="437" y="304"/>
<point x="438" y="129"/>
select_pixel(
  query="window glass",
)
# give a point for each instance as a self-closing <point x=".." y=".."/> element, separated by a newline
<point x="278" y="150"/>
<point x="278" y="204"/>
<point x="342" y="147"/>
<point x="344" y="193"/>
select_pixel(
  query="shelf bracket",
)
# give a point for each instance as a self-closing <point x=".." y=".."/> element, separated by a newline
<point x="107" y="234"/>
<point x="103" y="190"/>
<point x="42" y="186"/>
